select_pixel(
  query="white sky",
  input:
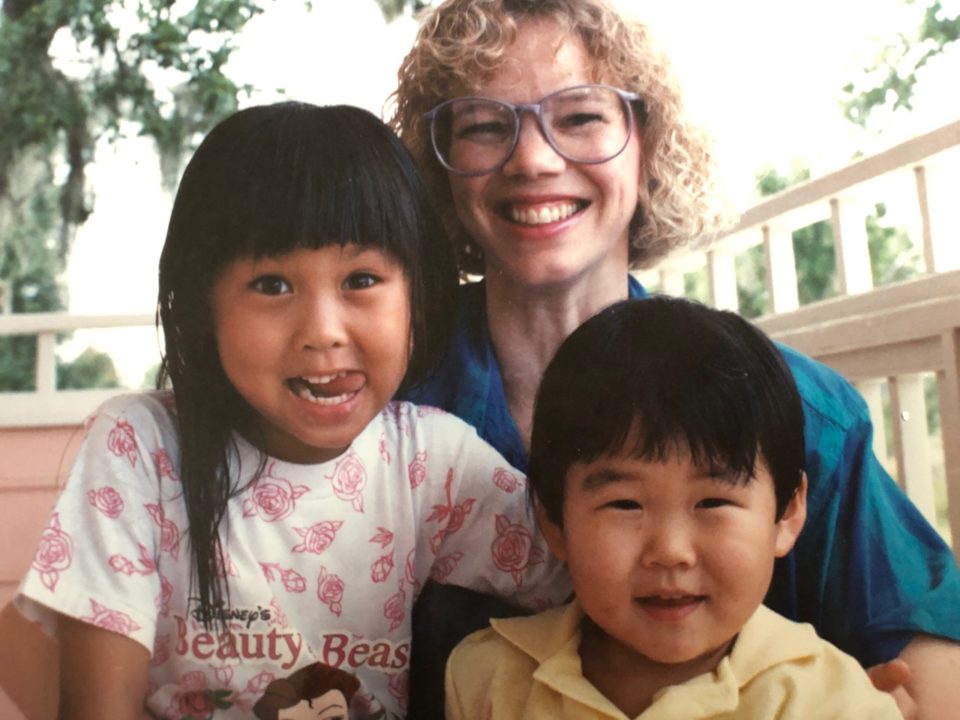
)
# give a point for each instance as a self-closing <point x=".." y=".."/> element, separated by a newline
<point x="763" y="76"/>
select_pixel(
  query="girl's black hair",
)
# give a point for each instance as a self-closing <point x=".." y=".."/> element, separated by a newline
<point x="264" y="182"/>
<point x="665" y="374"/>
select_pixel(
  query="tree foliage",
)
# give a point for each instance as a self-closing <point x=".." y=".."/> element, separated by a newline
<point x="891" y="82"/>
<point x="153" y="67"/>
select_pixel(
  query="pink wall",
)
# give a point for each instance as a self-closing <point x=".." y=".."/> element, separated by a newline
<point x="33" y="466"/>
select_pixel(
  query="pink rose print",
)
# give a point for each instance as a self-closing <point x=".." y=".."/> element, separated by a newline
<point x="445" y="565"/>
<point x="279" y="618"/>
<point x="384" y="452"/>
<point x="397" y="685"/>
<point x="272" y="498"/>
<point x="169" y="532"/>
<point x="163" y="464"/>
<point x="383" y="537"/>
<point x="417" y="469"/>
<point x="225" y="566"/>
<point x="408" y="568"/>
<point x="54" y="555"/>
<point x="124" y="565"/>
<point x="452" y="515"/>
<point x="381" y="568"/>
<point x="318" y="538"/>
<point x="505" y="480"/>
<point x="513" y="549"/>
<point x="394" y="609"/>
<point x="223" y="674"/>
<point x="122" y="442"/>
<point x="113" y="620"/>
<point x="106" y="500"/>
<point x="348" y="480"/>
<point x="161" y="650"/>
<point x="330" y="590"/>
<point x="166" y="593"/>
<point x="293" y="582"/>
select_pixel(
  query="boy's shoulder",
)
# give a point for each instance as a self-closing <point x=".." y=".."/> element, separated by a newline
<point x="800" y="671"/>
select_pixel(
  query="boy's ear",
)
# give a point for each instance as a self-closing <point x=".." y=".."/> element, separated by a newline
<point x="790" y="525"/>
<point x="552" y="532"/>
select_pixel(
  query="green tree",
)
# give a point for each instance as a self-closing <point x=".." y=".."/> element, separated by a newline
<point x="51" y="120"/>
<point x="892" y="80"/>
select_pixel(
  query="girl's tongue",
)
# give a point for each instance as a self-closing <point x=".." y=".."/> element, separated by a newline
<point x="327" y="386"/>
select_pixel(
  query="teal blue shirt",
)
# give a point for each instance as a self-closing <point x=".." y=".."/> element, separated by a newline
<point x="868" y="571"/>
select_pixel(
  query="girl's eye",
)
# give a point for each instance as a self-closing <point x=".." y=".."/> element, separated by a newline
<point x="270" y="285"/>
<point x="360" y="281"/>
<point x="713" y="502"/>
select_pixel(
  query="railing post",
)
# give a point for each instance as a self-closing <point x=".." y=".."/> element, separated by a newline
<point x="872" y="392"/>
<point x="854" y="274"/>
<point x="948" y="385"/>
<point x="671" y="282"/>
<point x="911" y="439"/>
<point x="781" y="269"/>
<point x="939" y="216"/>
<point x="722" y="272"/>
<point x="46" y="363"/>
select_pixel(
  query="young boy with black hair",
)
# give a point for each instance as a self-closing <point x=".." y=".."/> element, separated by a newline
<point x="666" y="465"/>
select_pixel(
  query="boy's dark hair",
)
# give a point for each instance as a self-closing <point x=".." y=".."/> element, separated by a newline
<point x="666" y="373"/>
<point x="266" y="181"/>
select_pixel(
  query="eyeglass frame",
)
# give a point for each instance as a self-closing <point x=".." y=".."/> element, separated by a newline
<point x="535" y="108"/>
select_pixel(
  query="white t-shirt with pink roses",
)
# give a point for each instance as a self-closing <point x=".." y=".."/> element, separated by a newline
<point x="323" y="561"/>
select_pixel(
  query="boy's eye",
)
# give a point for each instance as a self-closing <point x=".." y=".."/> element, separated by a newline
<point x="270" y="285"/>
<point x="624" y="504"/>
<point x="713" y="502"/>
<point x="360" y="281"/>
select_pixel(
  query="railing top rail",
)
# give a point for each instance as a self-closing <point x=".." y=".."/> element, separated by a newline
<point x="906" y="154"/>
<point x="32" y="323"/>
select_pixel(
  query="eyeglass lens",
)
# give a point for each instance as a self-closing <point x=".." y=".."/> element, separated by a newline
<point x="584" y="124"/>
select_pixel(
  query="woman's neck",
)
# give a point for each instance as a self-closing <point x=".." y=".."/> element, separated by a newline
<point x="527" y="325"/>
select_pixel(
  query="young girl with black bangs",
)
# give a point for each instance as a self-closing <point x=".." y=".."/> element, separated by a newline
<point x="275" y="510"/>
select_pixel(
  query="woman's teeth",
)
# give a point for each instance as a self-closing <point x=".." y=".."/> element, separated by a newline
<point x="543" y="215"/>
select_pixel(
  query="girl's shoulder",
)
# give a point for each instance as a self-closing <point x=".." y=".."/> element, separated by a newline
<point x="405" y="419"/>
<point x="143" y="413"/>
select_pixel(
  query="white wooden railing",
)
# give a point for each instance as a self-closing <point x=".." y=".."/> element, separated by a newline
<point x="886" y="340"/>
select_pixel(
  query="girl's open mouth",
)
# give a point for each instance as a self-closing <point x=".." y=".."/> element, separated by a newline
<point x="330" y="389"/>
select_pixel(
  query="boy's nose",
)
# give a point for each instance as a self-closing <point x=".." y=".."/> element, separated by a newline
<point x="533" y="155"/>
<point x="669" y="544"/>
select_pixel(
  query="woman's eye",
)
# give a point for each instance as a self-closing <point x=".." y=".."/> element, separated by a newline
<point x="709" y="503"/>
<point x="270" y="285"/>
<point x="360" y="281"/>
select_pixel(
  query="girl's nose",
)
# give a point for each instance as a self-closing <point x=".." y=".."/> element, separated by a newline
<point x="322" y="324"/>
<point x="533" y="156"/>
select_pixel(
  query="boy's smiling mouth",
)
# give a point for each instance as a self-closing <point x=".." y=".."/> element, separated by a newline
<point x="670" y="606"/>
<point x="330" y="389"/>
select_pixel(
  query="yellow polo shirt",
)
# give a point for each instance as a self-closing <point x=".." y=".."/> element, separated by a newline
<point x="529" y="668"/>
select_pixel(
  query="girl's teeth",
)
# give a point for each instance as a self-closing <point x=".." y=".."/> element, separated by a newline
<point x="324" y="379"/>
<point x="305" y="393"/>
<point x="532" y="216"/>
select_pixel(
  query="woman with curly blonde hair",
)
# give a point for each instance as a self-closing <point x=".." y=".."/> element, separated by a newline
<point x="553" y="138"/>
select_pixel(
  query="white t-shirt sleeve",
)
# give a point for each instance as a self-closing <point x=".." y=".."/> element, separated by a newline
<point x="479" y="528"/>
<point x="98" y="556"/>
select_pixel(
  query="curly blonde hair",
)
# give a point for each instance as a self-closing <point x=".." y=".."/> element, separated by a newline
<point x="461" y="43"/>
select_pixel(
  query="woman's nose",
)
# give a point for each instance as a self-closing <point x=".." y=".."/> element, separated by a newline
<point x="533" y="155"/>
